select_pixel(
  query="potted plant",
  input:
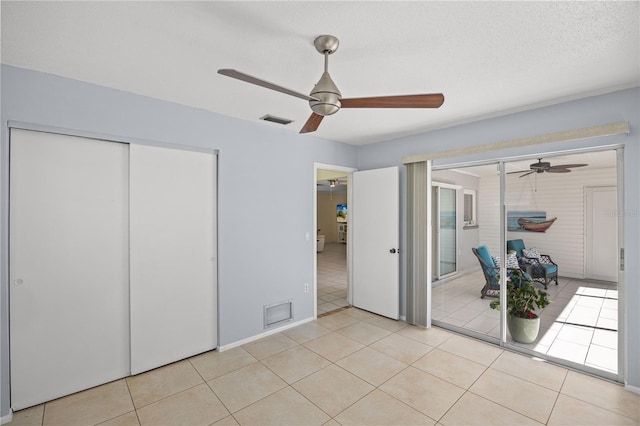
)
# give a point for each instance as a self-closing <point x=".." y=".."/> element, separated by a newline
<point x="522" y="299"/>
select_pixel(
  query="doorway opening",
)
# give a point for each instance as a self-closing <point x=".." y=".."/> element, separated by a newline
<point x="331" y="256"/>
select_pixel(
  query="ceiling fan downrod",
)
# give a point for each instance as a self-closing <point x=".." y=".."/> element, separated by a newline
<point x="325" y="91"/>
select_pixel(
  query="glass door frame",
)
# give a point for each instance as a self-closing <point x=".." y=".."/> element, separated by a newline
<point x="502" y="340"/>
<point x="456" y="188"/>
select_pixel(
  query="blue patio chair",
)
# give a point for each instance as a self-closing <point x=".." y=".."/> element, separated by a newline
<point x="543" y="269"/>
<point x="491" y="272"/>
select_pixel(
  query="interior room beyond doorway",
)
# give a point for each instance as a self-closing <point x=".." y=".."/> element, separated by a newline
<point x="331" y="240"/>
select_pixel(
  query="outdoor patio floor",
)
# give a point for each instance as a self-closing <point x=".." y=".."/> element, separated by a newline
<point x="580" y="325"/>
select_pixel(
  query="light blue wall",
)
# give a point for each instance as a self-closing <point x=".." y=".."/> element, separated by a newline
<point x="266" y="183"/>
<point x="614" y="107"/>
<point x="265" y="180"/>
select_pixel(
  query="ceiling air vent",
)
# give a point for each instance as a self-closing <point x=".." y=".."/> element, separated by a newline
<point x="274" y="119"/>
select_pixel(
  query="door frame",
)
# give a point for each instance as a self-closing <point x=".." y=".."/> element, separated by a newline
<point x="620" y="376"/>
<point x="588" y="244"/>
<point x="436" y="227"/>
<point x="349" y="172"/>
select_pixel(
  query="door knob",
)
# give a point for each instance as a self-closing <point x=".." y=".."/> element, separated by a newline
<point x="392" y="251"/>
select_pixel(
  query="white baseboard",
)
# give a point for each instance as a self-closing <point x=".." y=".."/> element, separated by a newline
<point x="633" y="389"/>
<point x="265" y="334"/>
<point x="6" y="419"/>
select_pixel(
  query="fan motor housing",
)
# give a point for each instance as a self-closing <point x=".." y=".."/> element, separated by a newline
<point x="328" y="96"/>
<point x="540" y="166"/>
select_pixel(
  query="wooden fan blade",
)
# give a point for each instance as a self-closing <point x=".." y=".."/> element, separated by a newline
<point x="527" y="174"/>
<point x="312" y="123"/>
<point x="434" y="100"/>
<point x="259" y="82"/>
<point x="567" y="166"/>
<point x="519" y="171"/>
<point x="556" y="169"/>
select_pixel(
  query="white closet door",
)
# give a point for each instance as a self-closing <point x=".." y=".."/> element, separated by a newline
<point x="173" y="255"/>
<point x="69" y="294"/>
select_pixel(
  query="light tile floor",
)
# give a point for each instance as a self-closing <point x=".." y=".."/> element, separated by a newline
<point x="332" y="277"/>
<point x="350" y="367"/>
<point x="580" y="325"/>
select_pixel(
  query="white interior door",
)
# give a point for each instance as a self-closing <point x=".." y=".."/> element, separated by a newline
<point x="375" y="231"/>
<point x="69" y="293"/>
<point x="173" y="255"/>
<point x="602" y="233"/>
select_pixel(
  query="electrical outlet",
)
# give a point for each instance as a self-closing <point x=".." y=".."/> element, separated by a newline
<point x="306" y="288"/>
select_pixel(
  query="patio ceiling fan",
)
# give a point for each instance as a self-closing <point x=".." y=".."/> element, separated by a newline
<point x="325" y="98"/>
<point x="546" y="167"/>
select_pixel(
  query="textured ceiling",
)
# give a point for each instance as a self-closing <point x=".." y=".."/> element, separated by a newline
<point x="488" y="58"/>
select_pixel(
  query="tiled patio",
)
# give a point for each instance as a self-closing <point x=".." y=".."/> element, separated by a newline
<point x="580" y="325"/>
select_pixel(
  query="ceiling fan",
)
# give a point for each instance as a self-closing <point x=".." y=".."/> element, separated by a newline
<point x="545" y="166"/>
<point x="325" y="98"/>
<point x="332" y="183"/>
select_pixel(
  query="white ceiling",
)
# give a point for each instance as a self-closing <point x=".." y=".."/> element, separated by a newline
<point x="488" y="58"/>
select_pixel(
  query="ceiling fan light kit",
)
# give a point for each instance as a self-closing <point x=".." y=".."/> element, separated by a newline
<point x="325" y="98"/>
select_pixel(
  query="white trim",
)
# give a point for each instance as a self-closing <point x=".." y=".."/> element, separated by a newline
<point x="8" y="418"/>
<point x="464" y="172"/>
<point x="623" y="302"/>
<point x="429" y="270"/>
<point x="474" y="203"/>
<point x="349" y="171"/>
<point x="105" y="137"/>
<point x="265" y="334"/>
<point x="633" y="389"/>
<point x="445" y="185"/>
<point x="563" y="136"/>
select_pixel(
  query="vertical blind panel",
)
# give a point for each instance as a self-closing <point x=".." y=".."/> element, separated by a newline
<point x="417" y="243"/>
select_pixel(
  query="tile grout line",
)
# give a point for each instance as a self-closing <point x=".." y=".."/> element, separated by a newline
<point x="210" y="388"/>
<point x="132" y="403"/>
<point x="490" y="366"/>
<point x="557" y="397"/>
<point x="506" y="407"/>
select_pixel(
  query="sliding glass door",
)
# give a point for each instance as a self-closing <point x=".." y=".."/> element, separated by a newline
<point x="548" y="218"/>
<point x="445" y="235"/>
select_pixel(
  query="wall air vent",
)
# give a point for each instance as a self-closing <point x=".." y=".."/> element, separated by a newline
<point x="274" y="119"/>
<point x="278" y="313"/>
